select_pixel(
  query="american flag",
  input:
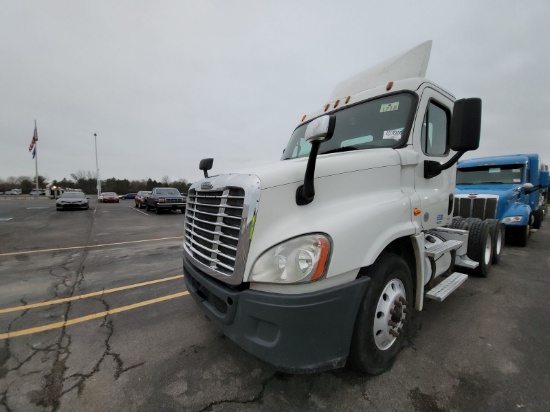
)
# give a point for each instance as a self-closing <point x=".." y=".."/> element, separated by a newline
<point x="34" y="138"/>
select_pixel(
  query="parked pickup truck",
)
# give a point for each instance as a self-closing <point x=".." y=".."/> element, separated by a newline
<point x="508" y="188"/>
<point x="165" y="198"/>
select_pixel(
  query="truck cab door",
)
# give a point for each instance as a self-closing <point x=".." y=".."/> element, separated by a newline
<point x="431" y="141"/>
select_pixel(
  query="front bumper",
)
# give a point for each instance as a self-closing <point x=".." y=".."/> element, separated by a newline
<point x="302" y="333"/>
<point x="72" y="206"/>
<point x="168" y="205"/>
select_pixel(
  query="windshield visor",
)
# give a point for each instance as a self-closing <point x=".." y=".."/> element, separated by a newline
<point x="382" y="122"/>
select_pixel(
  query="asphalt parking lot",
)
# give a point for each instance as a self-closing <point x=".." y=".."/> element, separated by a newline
<point x="94" y="315"/>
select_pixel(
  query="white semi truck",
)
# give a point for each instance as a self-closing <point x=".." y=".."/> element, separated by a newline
<point x="319" y="259"/>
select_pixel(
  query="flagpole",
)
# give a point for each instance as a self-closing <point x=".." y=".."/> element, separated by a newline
<point x="36" y="161"/>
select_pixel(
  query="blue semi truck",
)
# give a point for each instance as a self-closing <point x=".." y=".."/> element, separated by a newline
<point x="511" y="189"/>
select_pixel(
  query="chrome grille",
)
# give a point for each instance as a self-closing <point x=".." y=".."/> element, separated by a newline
<point x="213" y="222"/>
<point x="480" y="207"/>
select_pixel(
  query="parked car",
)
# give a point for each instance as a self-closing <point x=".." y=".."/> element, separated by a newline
<point x="14" y="192"/>
<point x="141" y="198"/>
<point x="109" y="197"/>
<point x="39" y="192"/>
<point x="128" y="196"/>
<point x="72" y="200"/>
<point x="165" y="198"/>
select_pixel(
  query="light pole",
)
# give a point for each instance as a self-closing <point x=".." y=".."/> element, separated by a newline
<point x="97" y="169"/>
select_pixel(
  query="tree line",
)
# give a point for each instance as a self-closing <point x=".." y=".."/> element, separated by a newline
<point x="87" y="182"/>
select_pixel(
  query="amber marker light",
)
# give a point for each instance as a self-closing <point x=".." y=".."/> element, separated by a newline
<point x="327" y="106"/>
<point x="389" y="86"/>
<point x="347" y="99"/>
<point x="303" y="117"/>
<point x="325" y="248"/>
<point x="336" y="103"/>
<point x="417" y="211"/>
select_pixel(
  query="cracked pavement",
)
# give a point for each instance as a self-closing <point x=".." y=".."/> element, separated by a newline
<point x="484" y="348"/>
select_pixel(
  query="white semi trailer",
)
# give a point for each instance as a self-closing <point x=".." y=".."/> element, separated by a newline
<point x="319" y="259"/>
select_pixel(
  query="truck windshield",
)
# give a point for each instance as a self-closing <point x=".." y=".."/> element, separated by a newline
<point x="503" y="174"/>
<point x="382" y="122"/>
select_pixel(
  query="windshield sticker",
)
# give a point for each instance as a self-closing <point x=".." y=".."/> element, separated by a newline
<point x="392" y="134"/>
<point x="517" y="180"/>
<point x="390" y="107"/>
<point x="494" y="170"/>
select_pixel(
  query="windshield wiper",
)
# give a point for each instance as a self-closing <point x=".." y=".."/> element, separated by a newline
<point x="341" y="149"/>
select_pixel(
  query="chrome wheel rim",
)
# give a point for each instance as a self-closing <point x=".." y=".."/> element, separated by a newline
<point x="498" y="241"/>
<point x="390" y="314"/>
<point x="488" y="249"/>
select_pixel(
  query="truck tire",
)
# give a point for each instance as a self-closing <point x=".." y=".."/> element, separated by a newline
<point x="480" y="246"/>
<point x="375" y="341"/>
<point x="499" y="232"/>
<point x="157" y="210"/>
<point x="147" y="208"/>
<point x="456" y="222"/>
<point x="538" y="215"/>
<point x="467" y="223"/>
<point x="519" y="234"/>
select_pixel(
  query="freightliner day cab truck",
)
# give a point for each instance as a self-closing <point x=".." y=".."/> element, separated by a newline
<point x="509" y="188"/>
<point x="319" y="259"/>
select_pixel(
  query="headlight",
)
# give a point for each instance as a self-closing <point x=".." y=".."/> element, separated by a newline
<point x="302" y="259"/>
<point x="512" y="219"/>
<point x="162" y="200"/>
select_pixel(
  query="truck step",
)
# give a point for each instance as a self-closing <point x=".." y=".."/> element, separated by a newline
<point x="466" y="262"/>
<point x="437" y="250"/>
<point x="446" y="287"/>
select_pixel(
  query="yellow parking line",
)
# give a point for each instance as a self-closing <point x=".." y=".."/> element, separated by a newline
<point x="87" y="295"/>
<point x="88" y="247"/>
<point x="59" y="325"/>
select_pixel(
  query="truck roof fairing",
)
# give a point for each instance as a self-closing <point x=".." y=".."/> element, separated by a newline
<point x="409" y="64"/>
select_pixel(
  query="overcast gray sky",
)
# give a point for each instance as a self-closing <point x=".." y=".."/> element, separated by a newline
<point x="166" y="83"/>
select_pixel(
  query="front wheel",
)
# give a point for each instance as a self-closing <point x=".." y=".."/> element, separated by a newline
<point x="384" y="316"/>
<point x="519" y="234"/>
<point x="538" y="216"/>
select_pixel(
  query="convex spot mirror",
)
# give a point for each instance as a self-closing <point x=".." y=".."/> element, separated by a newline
<point x="205" y="165"/>
<point x="320" y="129"/>
<point x="528" y="187"/>
<point x="466" y="125"/>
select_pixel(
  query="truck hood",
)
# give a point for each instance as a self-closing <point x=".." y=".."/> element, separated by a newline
<point x="501" y="190"/>
<point x="507" y="194"/>
<point x="293" y="170"/>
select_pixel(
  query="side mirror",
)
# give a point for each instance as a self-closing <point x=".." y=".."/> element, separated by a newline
<point x="528" y="188"/>
<point x="320" y="129"/>
<point x="464" y="136"/>
<point x="205" y="165"/>
<point x="466" y="125"/>
<point x="544" y="179"/>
